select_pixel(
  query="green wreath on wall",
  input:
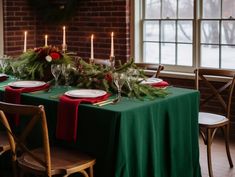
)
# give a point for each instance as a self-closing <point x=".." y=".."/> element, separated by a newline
<point x="54" y="11"/>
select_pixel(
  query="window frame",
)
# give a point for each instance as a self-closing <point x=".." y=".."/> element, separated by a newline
<point x="138" y="38"/>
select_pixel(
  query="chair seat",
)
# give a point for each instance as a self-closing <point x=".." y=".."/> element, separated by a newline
<point x="211" y="119"/>
<point x="62" y="161"/>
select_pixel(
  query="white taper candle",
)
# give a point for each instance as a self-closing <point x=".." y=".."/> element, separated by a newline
<point x="112" y="46"/>
<point x="46" y="36"/>
<point x="25" y="41"/>
<point x="64" y="36"/>
<point x="92" y="47"/>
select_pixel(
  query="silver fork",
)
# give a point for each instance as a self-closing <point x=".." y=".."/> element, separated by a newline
<point x="114" y="101"/>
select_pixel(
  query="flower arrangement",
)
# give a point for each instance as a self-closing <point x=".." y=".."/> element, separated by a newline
<point x="36" y="63"/>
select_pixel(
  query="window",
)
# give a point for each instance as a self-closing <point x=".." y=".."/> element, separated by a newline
<point x="173" y="34"/>
<point x="218" y="34"/>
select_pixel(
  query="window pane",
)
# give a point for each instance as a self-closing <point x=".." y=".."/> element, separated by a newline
<point x="151" y="31"/>
<point x="185" y="56"/>
<point x="169" y="8"/>
<point x="185" y="9"/>
<point x="167" y="53"/>
<point x="151" y="52"/>
<point x="185" y="31"/>
<point x="210" y="32"/>
<point x="152" y="9"/>
<point x="211" y="8"/>
<point x="210" y="56"/>
<point x="228" y="32"/>
<point x="168" y="31"/>
<point x="228" y="8"/>
<point x="228" y="57"/>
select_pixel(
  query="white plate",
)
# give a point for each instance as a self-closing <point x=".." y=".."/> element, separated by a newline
<point x="27" y="84"/>
<point x="3" y="75"/>
<point x="85" y="93"/>
<point x="151" y="81"/>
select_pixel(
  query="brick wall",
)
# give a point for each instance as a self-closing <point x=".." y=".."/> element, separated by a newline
<point x="98" y="17"/>
<point x="17" y="18"/>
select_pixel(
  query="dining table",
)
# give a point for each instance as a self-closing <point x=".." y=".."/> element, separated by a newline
<point x="133" y="138"/>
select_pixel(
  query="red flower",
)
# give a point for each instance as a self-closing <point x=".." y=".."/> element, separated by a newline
<point x="55" y="55"/>
<point x="108" y="77"/>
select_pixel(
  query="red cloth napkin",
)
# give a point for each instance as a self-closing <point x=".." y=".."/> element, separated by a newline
<point x="12" y="95"/>
<point x="3" y="78"/>
<point x="67" y="115"/>
<point x="161" y="84"/>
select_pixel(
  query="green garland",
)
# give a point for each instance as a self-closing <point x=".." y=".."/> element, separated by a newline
<point x="35" y="66"/>
<point x="53" y="12"/>
<point x="101" y="77"/>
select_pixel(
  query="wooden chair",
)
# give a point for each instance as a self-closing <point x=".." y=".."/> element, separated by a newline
<point x="45" y="161"/>
<point x="4" y="144"/>
<point x="210" y="122"/>
<point x="149" y="66"/>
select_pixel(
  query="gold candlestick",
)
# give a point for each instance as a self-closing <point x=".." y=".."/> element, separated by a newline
<point x="112" y="61"/>
<point x="64" y="48"/>
<point x="91" y="60"/>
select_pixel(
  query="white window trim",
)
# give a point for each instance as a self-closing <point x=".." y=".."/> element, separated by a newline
<point x="1" y="28"/>
<point x="137" y="45"/>
<point x="137" y="35"/>
<point x="136" y="29"/>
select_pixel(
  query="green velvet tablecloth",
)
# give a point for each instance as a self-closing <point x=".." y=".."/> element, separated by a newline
<point x="157" y="138"/>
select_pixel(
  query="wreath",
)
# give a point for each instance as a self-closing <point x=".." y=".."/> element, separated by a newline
<point x="54" y="11"/>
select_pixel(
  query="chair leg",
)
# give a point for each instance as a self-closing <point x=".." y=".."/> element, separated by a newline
<point x="91" y="171"/>
<point x="209" y="142"/>
<point x="226" y="138"/>
<point x="84" y="173"/>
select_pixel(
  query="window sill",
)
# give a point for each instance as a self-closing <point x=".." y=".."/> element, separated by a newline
<point x="190" y="76"/>
<point x="179" y="75"/>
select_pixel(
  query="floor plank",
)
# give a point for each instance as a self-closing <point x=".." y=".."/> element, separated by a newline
<point x="220" y="163"/>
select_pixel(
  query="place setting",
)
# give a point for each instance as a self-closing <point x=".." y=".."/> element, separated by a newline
<point x="68" y="107"/>
<point x="14" y="89"/>
<point x="155" y="82"/>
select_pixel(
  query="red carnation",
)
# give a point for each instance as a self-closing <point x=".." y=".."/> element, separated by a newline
<point x="55" y="55"/>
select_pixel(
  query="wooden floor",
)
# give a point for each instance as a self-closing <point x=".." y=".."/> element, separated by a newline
<point x="219" y="159"/>
<point x="220" y="163"/>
